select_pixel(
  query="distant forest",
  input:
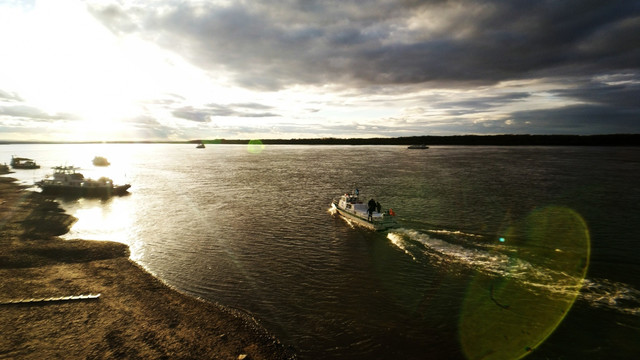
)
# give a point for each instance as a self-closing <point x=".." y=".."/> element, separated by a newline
<point x="500" y="140"/>
<point x="495" y="140"/>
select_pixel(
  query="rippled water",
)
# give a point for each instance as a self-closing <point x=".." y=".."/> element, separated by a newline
<point x="251" y="228"/>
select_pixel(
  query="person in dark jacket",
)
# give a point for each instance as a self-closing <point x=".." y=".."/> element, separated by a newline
<point x="372" y="208"/>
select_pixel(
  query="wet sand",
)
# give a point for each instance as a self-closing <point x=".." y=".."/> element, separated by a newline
<point x="136" y="316"/>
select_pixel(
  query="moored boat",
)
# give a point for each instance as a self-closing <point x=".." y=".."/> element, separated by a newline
<point x="23" y="163"/>
<point x="101" y="161"/>
<point x="368" y="215"/>
<point x="67" y="182"/>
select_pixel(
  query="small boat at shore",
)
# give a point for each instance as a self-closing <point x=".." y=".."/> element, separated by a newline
<point x="66" y="181"/>
<point x="418" y="147"/>
<point x="23" y="163"/>
<point x="100" y="161"/>
<point x="353" y="209"/>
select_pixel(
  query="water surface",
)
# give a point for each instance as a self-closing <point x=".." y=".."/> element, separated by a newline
<point x="504" y="232"/>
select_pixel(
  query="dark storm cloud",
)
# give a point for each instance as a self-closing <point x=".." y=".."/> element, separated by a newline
<point x="483" y="102"/>
<point x="610" y="105"/>
<point x="577" y="119"/>
<point x="621" y="90"/>
<point x="271" y="45"/>
<point x="204" y="114"/>
<point x="580" y="51"/>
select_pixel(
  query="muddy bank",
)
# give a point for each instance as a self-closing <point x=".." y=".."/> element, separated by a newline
<point x="136" y="315"/>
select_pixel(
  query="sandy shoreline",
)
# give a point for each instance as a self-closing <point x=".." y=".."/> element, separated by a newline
<point x="136" y="315"/>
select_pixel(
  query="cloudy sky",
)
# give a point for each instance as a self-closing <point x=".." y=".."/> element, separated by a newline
<point x="75" y="70"/>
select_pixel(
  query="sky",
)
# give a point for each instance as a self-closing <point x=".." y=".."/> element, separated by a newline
<point x="173" y="70"/>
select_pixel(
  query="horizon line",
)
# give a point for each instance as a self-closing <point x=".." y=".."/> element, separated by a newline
<point x="463" y="139"/>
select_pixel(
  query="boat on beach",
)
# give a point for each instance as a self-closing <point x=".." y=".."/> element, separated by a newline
<point x="23" y="163"/>
<point x="353" y="209"/>
<point x="68" y="182"/>
<point x="100" y="161"/>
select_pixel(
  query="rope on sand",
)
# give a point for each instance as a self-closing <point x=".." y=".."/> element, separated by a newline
<point x="50" y="300"/>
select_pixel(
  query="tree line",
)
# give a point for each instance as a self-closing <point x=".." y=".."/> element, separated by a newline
<point x="496" y="140"/>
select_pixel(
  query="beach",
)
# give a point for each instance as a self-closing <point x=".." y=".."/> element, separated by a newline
<point x="135" y="316"/>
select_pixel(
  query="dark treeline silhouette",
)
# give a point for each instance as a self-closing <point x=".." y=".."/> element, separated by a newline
<point x="500" y="140"/>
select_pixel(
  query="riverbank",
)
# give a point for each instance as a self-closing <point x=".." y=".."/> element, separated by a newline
<point x="135" y="316"/>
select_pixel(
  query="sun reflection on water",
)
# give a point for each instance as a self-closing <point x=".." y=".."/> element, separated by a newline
<point x="98" y="220"/>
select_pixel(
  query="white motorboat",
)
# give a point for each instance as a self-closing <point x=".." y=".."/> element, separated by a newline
<point x="66" y="181"/>
<point x="423" y="146"/>
<point x="101" y="161"/>
<point x="355" y="210"/>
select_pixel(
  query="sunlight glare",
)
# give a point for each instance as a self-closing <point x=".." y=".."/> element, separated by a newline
<point x="99" y="222"/>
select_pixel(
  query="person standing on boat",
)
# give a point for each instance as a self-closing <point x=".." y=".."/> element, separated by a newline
<point x="372" y="207"/>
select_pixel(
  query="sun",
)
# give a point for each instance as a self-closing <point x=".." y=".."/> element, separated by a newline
<point x="82" y="82"/>
<point x="69" y="67"/>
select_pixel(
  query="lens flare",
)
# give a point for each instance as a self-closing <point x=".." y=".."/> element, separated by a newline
<point x="255" y="146"/>
<point x="505" y="319"/>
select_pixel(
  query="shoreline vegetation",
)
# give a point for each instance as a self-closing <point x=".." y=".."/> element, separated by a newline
<point x="136" y="316"/>
<point x="480" y="140"/>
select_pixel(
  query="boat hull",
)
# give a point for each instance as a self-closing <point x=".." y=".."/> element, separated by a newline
<point x="82" y="191"/>
<point x="26" y="167"/>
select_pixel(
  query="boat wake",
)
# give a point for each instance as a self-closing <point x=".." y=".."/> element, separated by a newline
<point x="419" y="245"/>
<point x="617" y="296"/>
<point x="453" y="232"/>
<point x="501" y="261"/>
